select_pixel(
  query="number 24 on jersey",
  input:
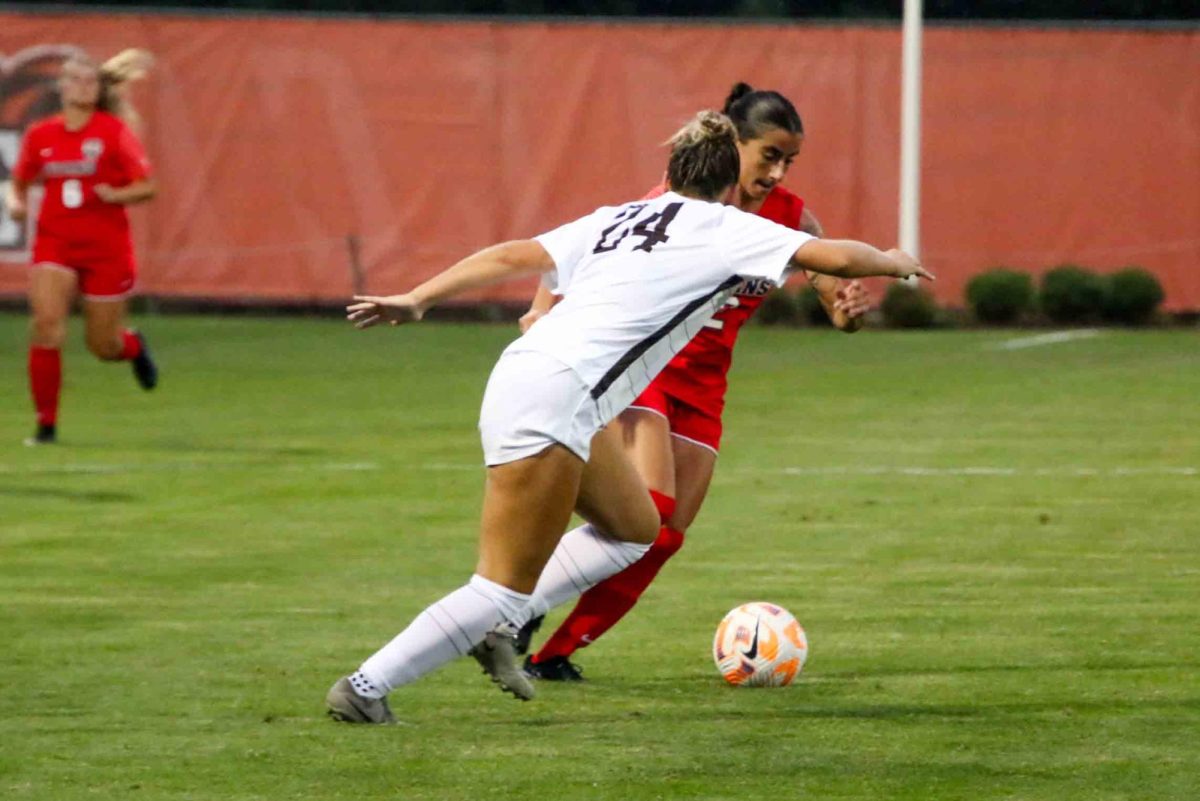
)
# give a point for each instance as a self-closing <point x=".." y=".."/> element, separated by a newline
<point x="652" y="229"/>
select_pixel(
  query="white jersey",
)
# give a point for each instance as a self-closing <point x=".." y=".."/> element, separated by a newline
<point x="638" y="281"/>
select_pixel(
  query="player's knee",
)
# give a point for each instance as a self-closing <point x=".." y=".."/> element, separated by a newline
<point x="646" y="531"/>
<point x="640" y="526"/>
<point x="669" y="541"/>
<point x="104" y="348"/>
<point x="48" y="331"/>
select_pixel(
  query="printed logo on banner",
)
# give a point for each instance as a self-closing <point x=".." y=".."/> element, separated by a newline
<point x="28" y="92"/>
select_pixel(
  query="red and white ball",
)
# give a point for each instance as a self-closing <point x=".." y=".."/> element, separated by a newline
<point x="760" y="645"/>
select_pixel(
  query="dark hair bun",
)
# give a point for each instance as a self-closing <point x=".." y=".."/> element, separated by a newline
<point x="739" y="90"/>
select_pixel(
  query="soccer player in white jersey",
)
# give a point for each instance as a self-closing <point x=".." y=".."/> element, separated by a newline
<point x="638" y="281"/>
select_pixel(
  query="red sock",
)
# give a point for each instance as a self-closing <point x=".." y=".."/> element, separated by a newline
<point x="131" y="346"/>
<point x="45" y="382"/>
<point x="602" y="606"/>
<point x="665" y="505"/>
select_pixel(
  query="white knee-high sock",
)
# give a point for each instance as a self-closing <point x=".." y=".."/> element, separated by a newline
<point x="446" y="630"/>
<point x="585" y="556"/>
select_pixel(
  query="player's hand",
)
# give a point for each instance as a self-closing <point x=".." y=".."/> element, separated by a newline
<point x="105" y="193"/>
<point x="16" y="209"/>
<point x="853" y="300"/>
<point x="529" y="318"/>
<point x="370" y="310"/>
<point x="907" y="266"/>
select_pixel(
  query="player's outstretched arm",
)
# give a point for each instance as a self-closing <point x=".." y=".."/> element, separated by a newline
<point x="489" y="266"/>
<point x="846" y="258"/>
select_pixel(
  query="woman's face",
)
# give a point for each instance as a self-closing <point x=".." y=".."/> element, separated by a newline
<point x="765" y="161"/>
<point x="79" y="84"/>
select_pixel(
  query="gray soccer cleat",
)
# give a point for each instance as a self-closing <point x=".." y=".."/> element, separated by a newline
<point x="348" y="706"/>
<point x="497" y="654"/>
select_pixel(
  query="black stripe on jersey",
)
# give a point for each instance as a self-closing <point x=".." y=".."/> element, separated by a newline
<point x="635" y="353"/>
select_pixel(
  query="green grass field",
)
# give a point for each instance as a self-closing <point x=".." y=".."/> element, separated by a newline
<point x="995" y="553"/>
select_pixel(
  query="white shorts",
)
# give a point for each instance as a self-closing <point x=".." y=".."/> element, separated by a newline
<point x="533" y="401"/>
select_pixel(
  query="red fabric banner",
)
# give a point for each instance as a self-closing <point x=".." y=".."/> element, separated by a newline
<point x="279" y="140"/>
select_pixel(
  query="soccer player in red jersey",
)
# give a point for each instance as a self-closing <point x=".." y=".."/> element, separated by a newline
<point x="91" y="166"/>
<point x="673" y="430"/>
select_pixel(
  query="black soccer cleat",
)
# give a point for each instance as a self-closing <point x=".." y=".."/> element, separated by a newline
<point x="556" y="668"/>
<point x="525" y="635"/>
<point x="47" y="434"/>
<point x="144" y="368"/>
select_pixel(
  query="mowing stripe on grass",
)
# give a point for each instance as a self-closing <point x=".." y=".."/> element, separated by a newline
<point x="828" y="470"/>
<point x="1044" y="339"/>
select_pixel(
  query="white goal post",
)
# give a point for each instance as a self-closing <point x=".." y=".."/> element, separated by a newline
<point x="910" y="131"/>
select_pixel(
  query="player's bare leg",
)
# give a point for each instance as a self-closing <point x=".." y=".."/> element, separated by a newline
<point x="694" y="466"/>
<point x="622" y="520"/>
<point x="612" y="493"/>
<point x="110" y="340"/>
<point x="51" y="291"/>
<point x="622" y="523"/>
<point x="646" y="437"/>
<point x="526" y="505"/>
<point x="524" y="560"/>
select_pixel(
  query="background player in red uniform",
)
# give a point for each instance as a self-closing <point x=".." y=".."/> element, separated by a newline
<point x="673" y="431"/>
<point x="91" y="165"/>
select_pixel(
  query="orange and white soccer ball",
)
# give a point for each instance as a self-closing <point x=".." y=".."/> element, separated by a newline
<point x="760" y="645"/>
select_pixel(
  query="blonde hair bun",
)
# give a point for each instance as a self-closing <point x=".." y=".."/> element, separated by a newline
<point x="707" y="125"/>
<point x="704" y="156"/>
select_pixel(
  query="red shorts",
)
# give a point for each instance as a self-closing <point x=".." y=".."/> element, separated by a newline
<point x="108" y="277"/>
<point x="693" y="411"/>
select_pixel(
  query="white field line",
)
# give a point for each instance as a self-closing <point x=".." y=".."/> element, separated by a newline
<point x="355" y="467"/>
<point x="1038" y="340"/>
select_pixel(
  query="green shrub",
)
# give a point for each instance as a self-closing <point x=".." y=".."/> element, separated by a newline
<point x="1000" y="296"/>
<point x="1072" y="294"/>
<point x="810" y="308"/>
<point x="780" y="307"/>
<point x="908" y="307"/>
<point x="1133" y="296"/>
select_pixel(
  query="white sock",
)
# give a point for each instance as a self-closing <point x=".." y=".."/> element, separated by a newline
<point x="446" y="630"/>
<point x="585" y="556"/>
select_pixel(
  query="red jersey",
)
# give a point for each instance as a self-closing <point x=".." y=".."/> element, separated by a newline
<point x="70" y="164"/>
<point x="708" y="356"/>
